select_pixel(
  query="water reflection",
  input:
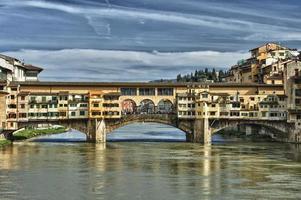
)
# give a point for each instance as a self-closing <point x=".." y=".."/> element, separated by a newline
<point x="149" y="171"/>
<point x="147" y="132"/>
<point x="70" y="136"/>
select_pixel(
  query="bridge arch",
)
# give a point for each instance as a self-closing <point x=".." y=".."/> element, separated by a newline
<point x="276" y="130"/>
<point x="153" y="118"/>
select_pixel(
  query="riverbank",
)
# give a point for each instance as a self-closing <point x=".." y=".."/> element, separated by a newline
<point x="31" y="133"/>
<point x="4" y="143"/>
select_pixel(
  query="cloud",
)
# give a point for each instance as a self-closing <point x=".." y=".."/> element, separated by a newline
<point x="169" y="25"/>
<point x="117" y="12"/>
<point x="105" y="65"/>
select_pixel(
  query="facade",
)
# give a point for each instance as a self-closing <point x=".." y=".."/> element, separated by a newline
<point x="34" y="101"/>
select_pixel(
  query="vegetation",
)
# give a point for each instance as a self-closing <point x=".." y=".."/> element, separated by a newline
<point x="4" y="142"/>
<point x="202" y="76"/>
<point x="30" y="133"/>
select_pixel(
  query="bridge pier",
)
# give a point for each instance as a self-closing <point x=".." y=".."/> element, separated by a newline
<point x="201" y="132"/>
<point x="96" y="131"/>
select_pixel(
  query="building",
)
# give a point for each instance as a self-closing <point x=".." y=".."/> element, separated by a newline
<point x="3" y="108"/>
<point x="12" y="69"/>
<point x="265" y="65"/>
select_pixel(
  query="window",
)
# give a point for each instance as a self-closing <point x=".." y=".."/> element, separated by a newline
<point x="73" y="105"/>
<point x="44" y="106"/>
<point x="236" y="105"/>
<point x="128" y="91"/>
<point x="236" y="114"/>
<point x="244" y="114"/>
<point x="43" y="99"/>
<point x="96" y="113"/>
<point x="63" y="114"/>
<point x="95" y="105"/>
<point x="110" y="105"/>
<point x="298" y="102"/>
<point x="82" y="113"/>
<point x="111" y="98"/>
<point x="298" y="92"/>
<point x="53" y="114"/>
<point x="22" y="115"/>
<point x="22" y="106"/>
<point x="147" y="91"/>
<point x="73" y="114"/>
<point x="63" y="98"/>
<point x="83" y="105"/>
<point x="22" y="98"/>
<point x="52" y="105"/>
<point x="165" y="91"/>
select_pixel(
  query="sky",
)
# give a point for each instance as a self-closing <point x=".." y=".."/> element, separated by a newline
<point x="141" y="40"/>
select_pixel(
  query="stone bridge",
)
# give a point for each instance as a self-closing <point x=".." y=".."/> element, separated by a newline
<point x="279" y="130"/>
<point x="197" y="130"/>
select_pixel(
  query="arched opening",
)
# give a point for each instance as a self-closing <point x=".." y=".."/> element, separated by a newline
<point x="146" y="106"/>
<point x="128" y="107"/>
<point x="45" y="132"/>
<point x="71" y="135"/>
<point x="246" y="132"/>
<point x="165" y="106"/>
<point x="150" y="131"/>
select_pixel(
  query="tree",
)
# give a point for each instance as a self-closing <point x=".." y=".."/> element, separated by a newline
<point x="214" y="77"/>
<point x="179" y="78"/>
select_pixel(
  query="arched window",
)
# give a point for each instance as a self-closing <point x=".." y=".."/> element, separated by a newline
<point x="147" y="106"/>
<point x="165" y="106"/>
<point x="129" y="107"/>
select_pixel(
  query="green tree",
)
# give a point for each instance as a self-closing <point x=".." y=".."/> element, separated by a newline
<point x="179" y="78"/>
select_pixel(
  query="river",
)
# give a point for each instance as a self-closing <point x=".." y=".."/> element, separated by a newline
<point x="144" y="169"/>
